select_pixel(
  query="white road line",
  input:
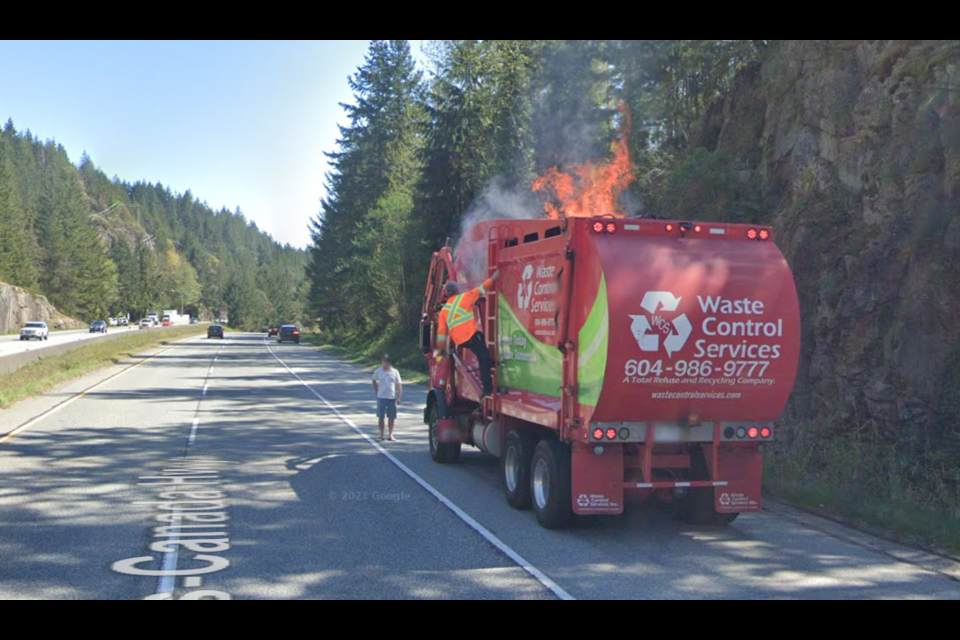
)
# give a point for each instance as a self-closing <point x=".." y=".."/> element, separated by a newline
<point x="66" y="403"/>
<point x="167" y="583"/>
<point x="193" y="432"/>
<point x="489" y="536"/>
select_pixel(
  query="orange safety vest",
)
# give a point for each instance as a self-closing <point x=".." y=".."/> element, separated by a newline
<point x="457" y="319"/>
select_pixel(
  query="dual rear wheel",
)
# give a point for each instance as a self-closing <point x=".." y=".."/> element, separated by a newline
<point x="537" y="475"/>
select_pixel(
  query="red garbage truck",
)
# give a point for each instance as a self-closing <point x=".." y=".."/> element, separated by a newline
<point x="633" y="357"/>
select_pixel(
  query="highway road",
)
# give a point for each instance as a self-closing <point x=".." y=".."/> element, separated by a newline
<point x="244" y="469"/>
<point x="12" y="344"/>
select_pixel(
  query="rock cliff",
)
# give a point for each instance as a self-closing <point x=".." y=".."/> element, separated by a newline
<point x="18" y="306"/>
<point x="852" y="150"/>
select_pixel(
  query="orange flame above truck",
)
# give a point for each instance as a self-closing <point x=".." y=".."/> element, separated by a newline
<point x="592" y="188"/>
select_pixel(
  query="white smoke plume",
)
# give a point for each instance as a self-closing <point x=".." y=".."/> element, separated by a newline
<point x="497" y="201"/>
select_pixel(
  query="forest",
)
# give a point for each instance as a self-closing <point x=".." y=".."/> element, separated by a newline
<point x="421" y="151"/>
<point x="99" y="247"/>
<point x="848" y="148"/>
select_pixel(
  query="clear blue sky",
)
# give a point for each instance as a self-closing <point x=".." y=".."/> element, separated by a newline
<point x="239" y="123"/>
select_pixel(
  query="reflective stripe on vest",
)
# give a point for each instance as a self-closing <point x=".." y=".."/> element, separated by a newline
<point x="459" y="315"/>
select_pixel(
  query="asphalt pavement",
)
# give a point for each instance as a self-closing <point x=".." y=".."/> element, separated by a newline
<point x="12" y="344"/>
<point x="246" y="469"/>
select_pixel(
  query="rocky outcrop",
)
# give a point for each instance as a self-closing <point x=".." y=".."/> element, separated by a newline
<point x="19" y="306"/>
<point x="852" y="150"/>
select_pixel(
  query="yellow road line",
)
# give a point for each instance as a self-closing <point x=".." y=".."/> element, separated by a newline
<point x="66" y="403"/>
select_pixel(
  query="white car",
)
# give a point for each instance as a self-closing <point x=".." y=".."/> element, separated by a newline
<point x="35" y="331"/>
<point x="146" y="323"/>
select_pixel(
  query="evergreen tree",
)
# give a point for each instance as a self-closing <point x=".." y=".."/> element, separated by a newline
<point x="127" y="277"/>
<point x="376" y="160"/>
<point x="69" y="232"/>
<point x="17" y="261"/>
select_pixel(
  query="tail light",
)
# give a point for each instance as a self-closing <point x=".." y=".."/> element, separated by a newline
<point x="753" y="432"/>
<point x="611" y="434"/>
<point x="598" y="434"/>
<point x="765" y="433"/>
<point x="752" y="234"/>
<point x="764" y="234"/>
<point x="611" y="227"/>
<point x="698" y="229"/>
<point x="598" y="227"/>
<point x="669" y="227"/>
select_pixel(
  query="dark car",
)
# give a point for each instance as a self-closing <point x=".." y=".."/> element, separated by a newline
<point x="216" y="331"/>
<point x="264" y="329"/>
<point x="272" y="331"/>
<point x="98" y="327"/>
<point x="288" y="333"/>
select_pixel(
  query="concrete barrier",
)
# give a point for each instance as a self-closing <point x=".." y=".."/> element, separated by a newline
<point x="9" y="364"/>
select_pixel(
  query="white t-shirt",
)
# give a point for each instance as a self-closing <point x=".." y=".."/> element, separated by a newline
<point x="387" y="383"/>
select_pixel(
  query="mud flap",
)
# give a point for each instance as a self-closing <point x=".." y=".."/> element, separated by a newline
<point x="743" y="468"/>
<point x="596" y="485"/>
<point x="447" y="431"/>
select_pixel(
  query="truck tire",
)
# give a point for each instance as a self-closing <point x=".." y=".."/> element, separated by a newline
<point x="517" y="461"/>
<point x="550" y="484"/>
<point x="442" y="453"/>
<point x="699" y="507"/>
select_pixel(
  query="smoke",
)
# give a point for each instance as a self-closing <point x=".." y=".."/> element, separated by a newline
<point x="499" y="200"/>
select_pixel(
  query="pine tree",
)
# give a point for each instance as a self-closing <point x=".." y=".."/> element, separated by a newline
<point x="17" y="261"/>
<point x="376" y="158"/>
<point x="127" y="274"/>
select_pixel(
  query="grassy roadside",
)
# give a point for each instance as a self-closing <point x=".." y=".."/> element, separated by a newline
<point x="866" y="486"/>
<point x="36" y="377"/>
<point x="406" y="357"/>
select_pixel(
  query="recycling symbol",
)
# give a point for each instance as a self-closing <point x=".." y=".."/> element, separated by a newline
<point x="525" y="288"/>
<point x="583" y="501"/>
<point x="725" y="500"/>
<point x="648" y="329"/>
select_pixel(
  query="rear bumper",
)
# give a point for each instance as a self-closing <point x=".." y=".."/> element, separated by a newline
<point x="603" y="473"/>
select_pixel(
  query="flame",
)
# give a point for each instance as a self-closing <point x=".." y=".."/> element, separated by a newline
<point x="592" y="188"/>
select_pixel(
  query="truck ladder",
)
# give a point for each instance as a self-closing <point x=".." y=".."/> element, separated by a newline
<point x="490" y="317"/>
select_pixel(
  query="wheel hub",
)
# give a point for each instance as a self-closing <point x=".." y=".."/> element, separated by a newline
<point x="541" y="484"/>
<point x="511" y="469"/>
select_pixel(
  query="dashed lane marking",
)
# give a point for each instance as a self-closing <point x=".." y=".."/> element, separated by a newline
<point x="488" y="535"/>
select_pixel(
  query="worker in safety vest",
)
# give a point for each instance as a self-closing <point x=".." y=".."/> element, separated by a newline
<point x="458" y="327"/>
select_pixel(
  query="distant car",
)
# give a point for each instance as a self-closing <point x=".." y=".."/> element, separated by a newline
<point x="146" y="323"/>
<point x="288" y="333"/>
<point x="216" y="331"/>
<point x="35" y="331"/>
<point x="193" y="320"/>
<point x="264" y="329"/>
<point x="123" y="322"/>
<point x="272" y="331"/>
<point x="166" y="323"/>
<point x="112" y="322"/>
<point x="98" y="327"/>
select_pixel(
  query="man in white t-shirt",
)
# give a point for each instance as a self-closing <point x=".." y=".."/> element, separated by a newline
<point x="389" y="390"/>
